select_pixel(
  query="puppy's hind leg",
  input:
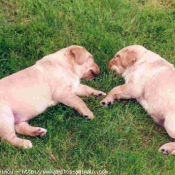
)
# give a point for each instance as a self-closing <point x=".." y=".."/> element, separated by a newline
<point x="169" y="124"/>
<point x="168" y="148"/>
<point x="7" y="131"/>
<point x="25" y="129"/>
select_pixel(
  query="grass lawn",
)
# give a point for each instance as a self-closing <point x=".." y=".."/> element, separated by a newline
<point x="122" y="139"/>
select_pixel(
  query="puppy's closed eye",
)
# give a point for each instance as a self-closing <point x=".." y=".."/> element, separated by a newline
<point x="117" y="56"/>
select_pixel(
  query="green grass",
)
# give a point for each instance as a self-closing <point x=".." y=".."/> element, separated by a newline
<point x="122" y="139"/>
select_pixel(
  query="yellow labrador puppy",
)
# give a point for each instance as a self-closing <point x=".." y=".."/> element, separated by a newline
<point x="53" y="79"/>
<point x="149" y="79"/>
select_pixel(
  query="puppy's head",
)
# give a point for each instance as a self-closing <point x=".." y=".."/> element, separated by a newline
<point x="84" y="62"/>
<point x="126" y="58"/>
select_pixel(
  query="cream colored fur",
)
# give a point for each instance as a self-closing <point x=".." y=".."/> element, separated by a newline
<point x="149" y="79"/>
<point x="52" y="80"/>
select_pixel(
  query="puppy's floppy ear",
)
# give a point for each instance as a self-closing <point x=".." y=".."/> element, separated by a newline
<point x="77" y="53"/>
<point x="127" y="58"/>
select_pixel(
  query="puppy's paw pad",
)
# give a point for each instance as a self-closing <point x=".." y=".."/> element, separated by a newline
<point x="98" y="94"/>
<point x="109" y="103"/>
<point x="168" y="148"/>
<point x="164" y="151"/>
<point x="106" y="103"/>
<point x="27" y="144"/>
<point x="89" y="115"/>
<point x="40" y="132"/>
<point x="103" y="103"/>
<point x="85" y="116"/>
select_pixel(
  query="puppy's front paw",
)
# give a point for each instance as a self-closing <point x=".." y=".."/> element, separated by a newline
<point x="107" y="101"/>
<point x="98" y="94"/>
<point x="88" y="115"/>
<point x="168" y="148"/>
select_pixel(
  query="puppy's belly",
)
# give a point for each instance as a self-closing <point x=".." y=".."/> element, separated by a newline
<point x="19" y="118"/>
<point x="154" y="112"/>
<point x="27" y="111"/>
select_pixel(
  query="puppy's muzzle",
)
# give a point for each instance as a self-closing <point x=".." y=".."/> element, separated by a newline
<point x="95" y="70"/>
<point x="110" y="63"/>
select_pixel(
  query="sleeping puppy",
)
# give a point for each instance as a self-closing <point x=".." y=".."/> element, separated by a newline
<point x="53" y="79"/>
<point x="149" y="79"/>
